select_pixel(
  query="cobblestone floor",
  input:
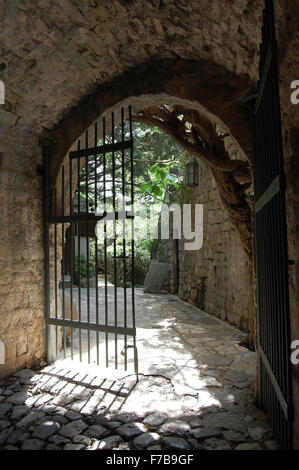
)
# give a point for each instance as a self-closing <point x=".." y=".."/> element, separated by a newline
<point x="195" y="391"/>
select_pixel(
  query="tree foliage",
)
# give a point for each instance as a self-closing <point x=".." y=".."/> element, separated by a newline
<point x="158" y="163"/>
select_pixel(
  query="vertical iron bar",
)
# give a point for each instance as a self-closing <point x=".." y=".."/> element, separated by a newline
<point x="87" y="244"/>
<point x="96" y="239"/>
<point x="55" y="270"/>
<point x="133" y="245"/>
<point x="114" y="243"/>
<point x="71" y="252"/>
<point x="63" y="262"/>
<point x="105" y="244"/>
<point x="124" y="235"/>
<point x="79" y="254"/>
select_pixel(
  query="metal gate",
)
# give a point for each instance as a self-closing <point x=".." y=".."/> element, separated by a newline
<point x="275" y="383"/>
<point x="89" y="246"/>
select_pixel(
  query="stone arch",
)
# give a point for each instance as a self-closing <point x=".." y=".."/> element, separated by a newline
<point x="201" y="86"/>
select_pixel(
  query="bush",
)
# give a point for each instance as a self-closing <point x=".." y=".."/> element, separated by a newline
<point x="83" y="266"/>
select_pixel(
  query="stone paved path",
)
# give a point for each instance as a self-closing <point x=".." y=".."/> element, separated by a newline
<point x="195" y="391"/>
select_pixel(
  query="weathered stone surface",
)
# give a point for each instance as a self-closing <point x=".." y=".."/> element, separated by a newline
<point x="46" y="429"/>
<point x="224" y="420"/>
<point x="72" y="415"/>
<point x="17" y="436"/>
<point x="176" y="428"/>
<point x="175" y="443"/>
<point x="212" y="382"/>
<point x="110" y="442"/>
<point x="257" y="433"/>
<point x="4" y="424"/>
<point x="124" y="446"/>
<point x="101" y="419"/>
<point x="25" y="376"/>
<point x="205" y="433"/>
<point x="195" y="423"/>
<point x="213" y="360"/>
<point x="30" y="419"/>
<point x="147" y="439"/>
<point x="188" y="414"/>
<point x="52" y="447"/>
<point x="58" y="440"/>
<point x="216" y="444"/>
<point x="63" y="400"/>
<point x="195" y="444"/>
<point x="72" y="429"/>
<point x="19" y="412"/>
<point x="97" y="431"/>
<point x="80" y="439"/>
<point x="232" y="436"/>
<point x="131" y="430"/>
<point x="236" y="376"/>
<point x="113" y="425"/>
<point x="38" y="400"/>
<point x="74" y="447"/>
<point x="157" y="278"/>
<point x="4" y="409"/>
<point x="248" y="446"/>
<point x="53" y="410"/>
<point x="33" y="444"/>
<point x="57" y="419"/>
<point x="155" y="419"/>
<point x="242" y="385"/>
<point x="5" y="433"/>
<point x="126" y="417"/>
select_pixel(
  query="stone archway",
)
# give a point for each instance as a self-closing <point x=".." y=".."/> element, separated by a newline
<point x="209" y="98"/>
<point x="201" y="85"/>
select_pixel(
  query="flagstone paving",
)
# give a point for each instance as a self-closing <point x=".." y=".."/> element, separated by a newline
<point x="195" y="391"/>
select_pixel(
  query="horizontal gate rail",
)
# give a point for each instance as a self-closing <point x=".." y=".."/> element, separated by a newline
<point x="92" y="326"/>
<point x="274" y="382"/>
<point x="102" y="149"/>
<point x="91" y="217"/>
<point x="277" y="184"/>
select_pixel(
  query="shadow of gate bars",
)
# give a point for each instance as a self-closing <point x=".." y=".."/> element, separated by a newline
<point x="96" y="322"/>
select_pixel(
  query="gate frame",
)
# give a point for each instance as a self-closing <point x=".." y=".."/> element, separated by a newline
<point x="50" y="219"/>
<point x="277" y="403"/>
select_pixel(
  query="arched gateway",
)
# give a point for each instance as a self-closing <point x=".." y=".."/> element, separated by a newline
<point x="201" y="88"/>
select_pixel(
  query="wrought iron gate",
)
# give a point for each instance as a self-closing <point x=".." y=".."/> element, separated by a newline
<point x="275" y="383"/>
<point x="91" y="303"/>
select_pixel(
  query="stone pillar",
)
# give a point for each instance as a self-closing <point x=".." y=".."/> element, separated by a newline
<point x="21" y="245"/>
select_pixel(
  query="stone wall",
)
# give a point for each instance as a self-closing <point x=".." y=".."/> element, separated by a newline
<point x="216" y="277"/>
<point x="21" y="252"/>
